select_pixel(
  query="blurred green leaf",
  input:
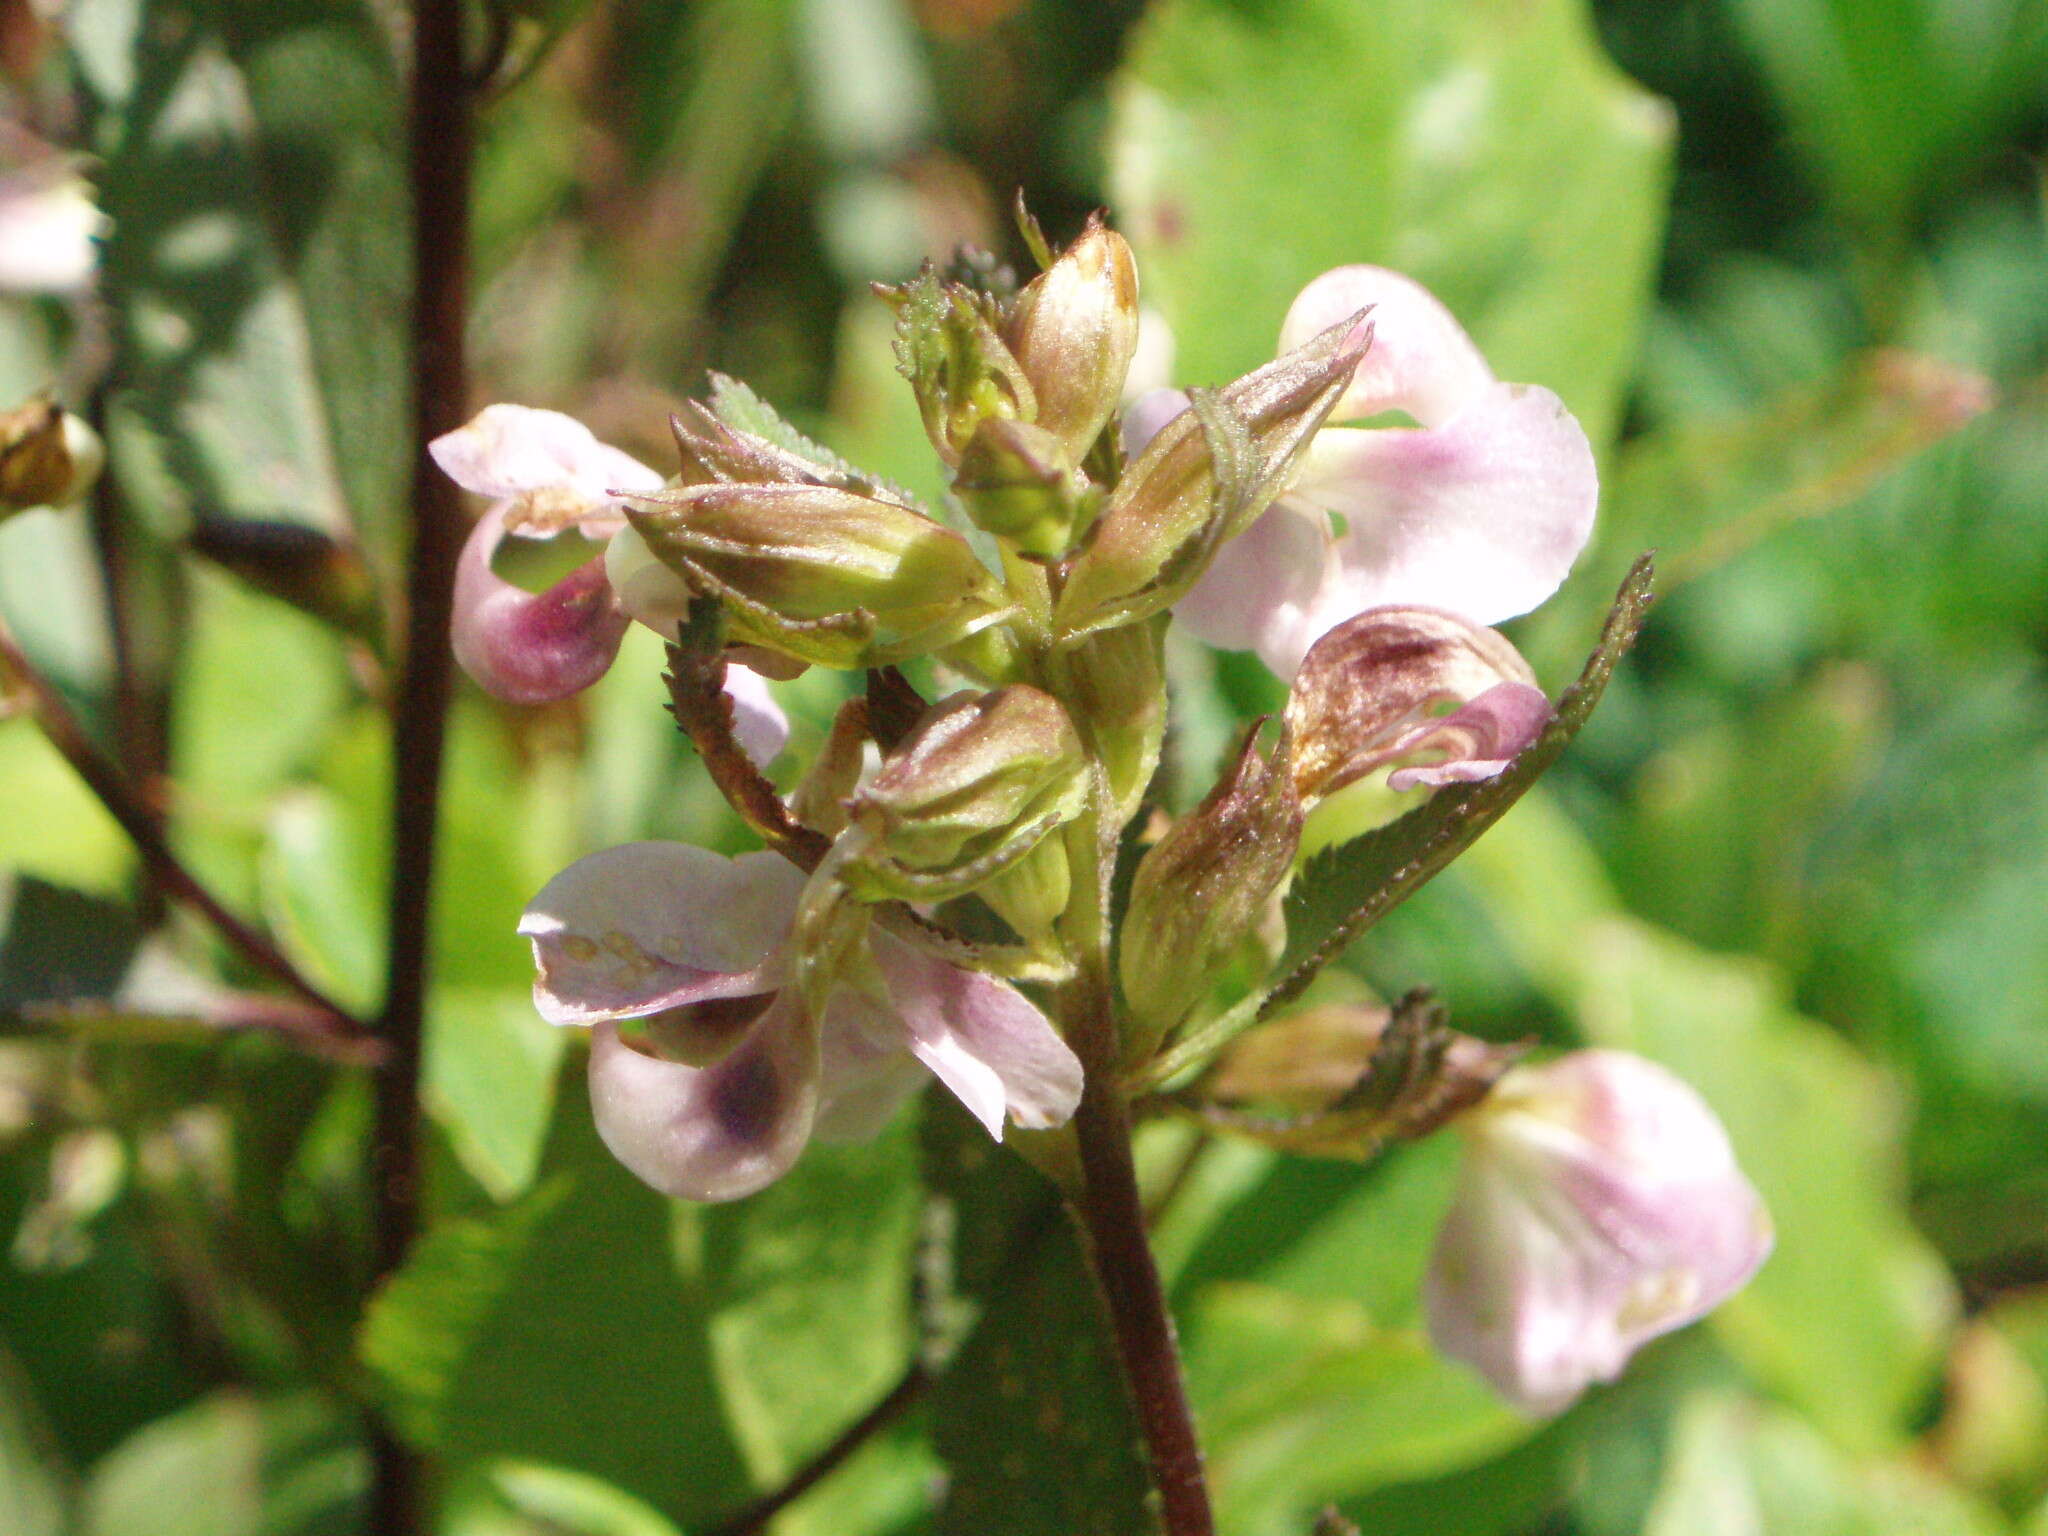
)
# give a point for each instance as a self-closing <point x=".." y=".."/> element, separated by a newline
<point x="560" y="1330"/>
<point x="526" y="1498"/>
<point x="34" y="1496"/>
<point x="1699" y="493"/>
<point x="1031" y="1417"/>
<point x="810" y="1297"/>
<point x="489" y="1082"/>
<point x="1491" y="152"/>
<point x="61" y="832"/>
<point x="1888" y="95"/>
<point x="1303" y="1401"/>
<point x="1850" y="1315"/>
<point x="1737" y="1467"/>
<point x="324" y="896"/>
<point x="231" y="1465"/>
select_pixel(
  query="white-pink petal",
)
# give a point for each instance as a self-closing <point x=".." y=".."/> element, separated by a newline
<point x="50" y="227"/>
<point x="543" y="461"/>
<point x="1482" y="516"/>
<point x="530" y="647"/>
<point x="1421" y="361"/>
<point x="646" y="927"/>
<point x="758" y="723"/>
<point x="982" y="1038"/>
<point x="1260" y="592"/>
<point x="1599" y="1205"/>
<point x="710" y="1133"/>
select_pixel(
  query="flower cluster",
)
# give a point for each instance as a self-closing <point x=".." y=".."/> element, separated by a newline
<point x="1357" y="512"/>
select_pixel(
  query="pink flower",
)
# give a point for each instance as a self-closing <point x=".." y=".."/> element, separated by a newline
<point x="690" y="950"/>
<point x="1598" y="1206"/>
<point x="1479" y="509"/>
<point x="546" y="473"/>
<point x="50" y="227"/>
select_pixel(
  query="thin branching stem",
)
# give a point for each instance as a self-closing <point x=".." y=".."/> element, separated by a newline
<point x="133" y="813"/>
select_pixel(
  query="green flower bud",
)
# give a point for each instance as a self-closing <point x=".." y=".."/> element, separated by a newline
<point x="1074" y="331"/>
<point x="48" y="457"/>
<point x="1019" y="483"/>
<point x="971" y="791"/>
<point x="948" y="346"/>
<point x="1117" y="681"/>
<point x="1203" y="479"/>
<point x="814" y="572"/>
<point x="1204" y="886"/>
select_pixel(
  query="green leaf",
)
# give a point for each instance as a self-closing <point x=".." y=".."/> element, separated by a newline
<point x="528" y="1498"/>
<point x="1345" y="890"/>
<point x="1303" y="1401"/>
<point x="1031" y="1417"/>
<point x="34" y="1496"/>
<point x="489" y="1082"/>
<point x="1492" y="153"/>
<point x="1700" y="492"/>
<point x="560" y="1330"/>
<point x="231" y="1465"/>
<point x="1887" y="95"/>
<point x="1740" y="1466"/>
<point x="1849" y="1317"/>
<point x="810" y="1290"/>
<point x="70" y="839"/>
<point x="327" y="102"/>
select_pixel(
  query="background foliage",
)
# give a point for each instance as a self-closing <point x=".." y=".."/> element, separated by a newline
<point x="1760" y="246"/>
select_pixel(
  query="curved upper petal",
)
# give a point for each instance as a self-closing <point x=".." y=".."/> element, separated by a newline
<point x="1259" y="593"/>
<point x="646" y="927"/>
<point x="710" y="1133"/>
<point x="1421" y="361"/>
<point x="982" y="1038"/>
<point x="550" y="466"/>
<point x="1482" y="516"/>
<point x="530" y="647"/>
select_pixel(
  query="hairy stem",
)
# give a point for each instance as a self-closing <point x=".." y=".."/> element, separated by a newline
<point x="144" y="825"/>
<point x="440" y="205"/>
<point x="1111" y="1208"/>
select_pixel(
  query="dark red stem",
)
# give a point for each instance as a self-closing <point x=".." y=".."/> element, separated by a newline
<point x="441" y="137"/>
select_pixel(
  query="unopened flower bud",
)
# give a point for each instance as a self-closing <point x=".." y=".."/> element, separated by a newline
<point x="1204" y="885"/>
<point x="972" y="790"/>
<point x="1203" y="479"/>
<point x="1117" y="679"/>
<point x="949" y="347"/>
<point x="48" y="457"/>
<point x="814" y="572"/>
<point x="1074" y="331"/>
<point x="1444" y="699"/>
<point x="1598" y="1206"/>
<point x="1019" y="483"/>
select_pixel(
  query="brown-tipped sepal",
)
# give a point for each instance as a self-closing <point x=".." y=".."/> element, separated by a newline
<point x="1204" y="478"/>
<point x="1204" y="886"/>
<point x="815" y="572"/>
